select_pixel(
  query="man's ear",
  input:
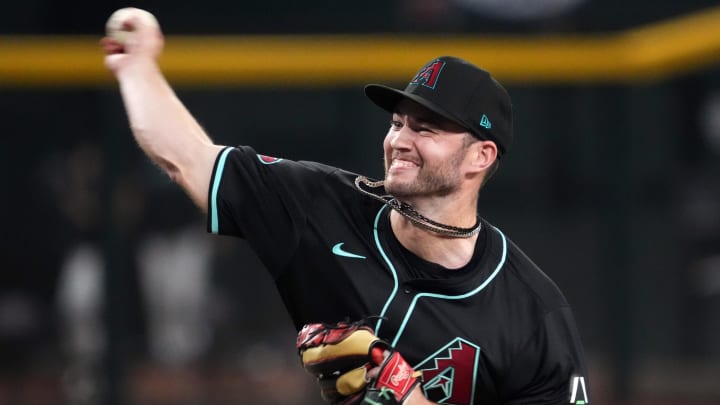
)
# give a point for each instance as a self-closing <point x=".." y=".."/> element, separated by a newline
<point x="482" y="155"/>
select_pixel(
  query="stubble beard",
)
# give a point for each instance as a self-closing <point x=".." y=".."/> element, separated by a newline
<point x="440" y="180"/>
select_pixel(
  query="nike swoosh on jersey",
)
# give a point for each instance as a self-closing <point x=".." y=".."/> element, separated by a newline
<point x="338" y="250"/>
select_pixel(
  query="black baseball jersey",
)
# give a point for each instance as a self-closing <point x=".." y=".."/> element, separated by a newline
<point x="495" y="331"/>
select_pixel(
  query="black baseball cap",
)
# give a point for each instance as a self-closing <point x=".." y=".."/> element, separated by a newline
<point x="459" y="91"/>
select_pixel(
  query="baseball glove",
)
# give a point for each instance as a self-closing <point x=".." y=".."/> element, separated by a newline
<point x="340" y="356"/>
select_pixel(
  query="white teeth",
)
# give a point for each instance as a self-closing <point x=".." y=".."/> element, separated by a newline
<point x="402" y="163"/>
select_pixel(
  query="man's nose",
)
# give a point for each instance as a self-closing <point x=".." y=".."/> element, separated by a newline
<point x="403" y="138"/>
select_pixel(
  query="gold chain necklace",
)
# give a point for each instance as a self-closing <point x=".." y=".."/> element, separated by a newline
<point x="409" y="212"/>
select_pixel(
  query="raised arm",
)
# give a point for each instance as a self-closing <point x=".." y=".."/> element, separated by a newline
<point x="160" y="123"/>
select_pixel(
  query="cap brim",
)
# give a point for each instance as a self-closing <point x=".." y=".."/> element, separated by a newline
<point x="388" y="98"/>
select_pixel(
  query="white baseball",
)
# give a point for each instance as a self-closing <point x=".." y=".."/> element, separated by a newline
<point x="115" y="29"/>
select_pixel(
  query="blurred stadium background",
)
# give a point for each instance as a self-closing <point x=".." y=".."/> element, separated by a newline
<point x="112" y="293"/>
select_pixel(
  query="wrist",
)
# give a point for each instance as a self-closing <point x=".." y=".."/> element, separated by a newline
<point x="416" y="397"/>
<point x="133" y="68"/>
<point x="384" y="396"/>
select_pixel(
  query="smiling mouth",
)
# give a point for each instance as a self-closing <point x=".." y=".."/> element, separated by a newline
<point x="402" y="164"/>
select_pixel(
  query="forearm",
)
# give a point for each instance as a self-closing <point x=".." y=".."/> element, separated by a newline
<point x="165" y="130"/>
<point x="160" y="123"/>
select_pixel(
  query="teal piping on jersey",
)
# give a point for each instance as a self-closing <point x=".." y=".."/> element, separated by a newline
<point x="453" y="297"/>
<point x="392" y="270"/>
<point x="412" y="305"/>
<point x="214" y="227"/>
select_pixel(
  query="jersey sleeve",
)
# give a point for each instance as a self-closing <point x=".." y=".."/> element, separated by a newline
<point x="550" y="369"/>
<point x="262" y="199"/>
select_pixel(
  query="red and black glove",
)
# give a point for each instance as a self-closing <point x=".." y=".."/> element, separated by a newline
<point x="340" y="356"/>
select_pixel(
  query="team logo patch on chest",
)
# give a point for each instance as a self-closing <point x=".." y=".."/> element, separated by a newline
<point x="449" y="374"/>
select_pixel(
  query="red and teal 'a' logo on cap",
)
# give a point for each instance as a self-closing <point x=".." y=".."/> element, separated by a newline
<point x="429" y="74"/>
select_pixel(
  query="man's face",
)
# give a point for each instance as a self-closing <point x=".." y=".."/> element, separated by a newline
<point x="424" y="153"/>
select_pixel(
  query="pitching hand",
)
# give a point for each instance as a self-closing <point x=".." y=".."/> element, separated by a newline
<point x="132" y="35"/>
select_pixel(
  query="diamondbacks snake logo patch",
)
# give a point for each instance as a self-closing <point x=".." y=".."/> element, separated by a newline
<point x="449" y="374"/>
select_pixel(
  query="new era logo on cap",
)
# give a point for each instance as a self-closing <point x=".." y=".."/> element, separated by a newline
<point x="459" y="91"/>
<point x="485" y="122"/>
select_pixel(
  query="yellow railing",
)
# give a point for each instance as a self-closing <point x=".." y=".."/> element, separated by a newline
<point x="643" y="54"/>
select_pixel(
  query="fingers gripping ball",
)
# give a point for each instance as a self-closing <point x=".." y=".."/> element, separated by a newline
<point x="120" y="24"/>
<point x="340" y="356"/>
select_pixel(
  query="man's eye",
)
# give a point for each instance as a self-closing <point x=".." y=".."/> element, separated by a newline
<point x="395" y="124"/>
